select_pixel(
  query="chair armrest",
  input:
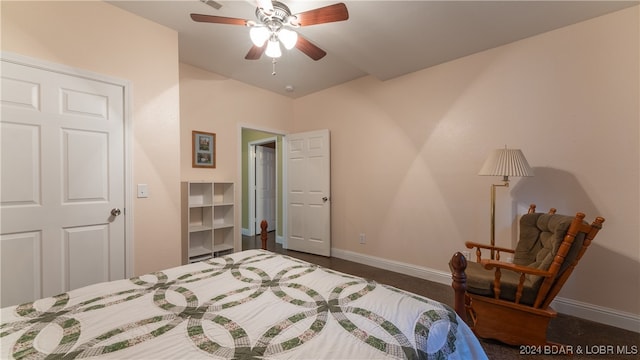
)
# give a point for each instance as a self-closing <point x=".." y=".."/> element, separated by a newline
<point x="523" y="270"/>
<point x="478" y="246"/>
<point x="471" y="245"/>
<point x="491" y="264"/>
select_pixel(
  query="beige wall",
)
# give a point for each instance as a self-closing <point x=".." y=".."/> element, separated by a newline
<point x="406" y="152"/>
<point x="101" y="38"/>
<point x="212" y="103"/>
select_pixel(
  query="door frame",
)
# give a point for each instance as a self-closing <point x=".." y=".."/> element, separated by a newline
<point x="251" y="153"/>
<point x="127" y="215"/>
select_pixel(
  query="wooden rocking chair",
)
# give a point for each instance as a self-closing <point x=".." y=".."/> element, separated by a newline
<point x="508" y="301"/>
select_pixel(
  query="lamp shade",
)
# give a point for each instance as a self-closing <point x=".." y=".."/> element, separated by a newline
<point x="506" y="162"/>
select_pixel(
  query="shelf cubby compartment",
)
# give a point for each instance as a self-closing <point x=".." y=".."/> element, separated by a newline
<point x="223" y="193"/>
<point x="223" y="216"/>
<point x="223" y="239"/>
<point x="200" y="194"/>
<point x="200" y="218"/>
<point x="200" y="245"/>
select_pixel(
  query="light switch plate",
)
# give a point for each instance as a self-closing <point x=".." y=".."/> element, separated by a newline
<point x="143" y="190"/>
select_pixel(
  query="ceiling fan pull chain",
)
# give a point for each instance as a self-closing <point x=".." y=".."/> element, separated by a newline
<point x="273" y="63"/>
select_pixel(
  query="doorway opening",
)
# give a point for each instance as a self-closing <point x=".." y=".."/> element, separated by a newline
<point x="261" y="185"/>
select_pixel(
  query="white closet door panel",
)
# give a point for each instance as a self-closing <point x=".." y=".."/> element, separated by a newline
<point x="82" y="103"/>
<point x="85" y="166"/>
<point x="296" y="196"/>
<point x="315" y="184"/>
<point x="22" y="186"/>
<point x="296" y="221"/>
<point x="20" y="259"/>
<point x="88" y="255"/>
<point x="316" y="230"/>
<point x="20" y="93"/>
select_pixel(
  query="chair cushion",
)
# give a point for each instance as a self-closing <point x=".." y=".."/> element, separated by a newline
<point x="551" y="229"/>
<point x="480" y="282"/>
<point x="528" y="243"/>
<point x="540" y="238"/>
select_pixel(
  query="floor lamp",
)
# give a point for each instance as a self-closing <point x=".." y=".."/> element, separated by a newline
<point x="503" y="162"/>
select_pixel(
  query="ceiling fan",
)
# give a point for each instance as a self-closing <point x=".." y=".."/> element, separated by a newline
<point x="274" y="26"/>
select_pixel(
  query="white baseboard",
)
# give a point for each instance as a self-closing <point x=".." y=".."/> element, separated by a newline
<point x="245" y="232"/>
<point x="395" y="266"/>
<point x="607" y="316"/>
<point x="601" y="314"/>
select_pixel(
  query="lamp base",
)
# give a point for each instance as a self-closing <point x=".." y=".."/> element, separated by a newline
<point x="493" y="212"/>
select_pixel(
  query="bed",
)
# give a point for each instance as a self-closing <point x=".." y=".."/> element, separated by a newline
<point x="250" y="304"/>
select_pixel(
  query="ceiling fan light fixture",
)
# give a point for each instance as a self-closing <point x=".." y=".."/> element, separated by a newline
<point x="288" y="37"/>
<point x="273" y="17"/>
<point x="273" y="49"/>
<point x="258" y="35"/>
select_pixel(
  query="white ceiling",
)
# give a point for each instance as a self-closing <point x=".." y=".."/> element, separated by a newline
<point x="384" y="39"/>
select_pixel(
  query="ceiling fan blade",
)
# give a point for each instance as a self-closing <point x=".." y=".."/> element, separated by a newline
<point x="327" y="14"/>
<point x="309" y="49"/>
<point x="255" y="52"/>
<point x="266" y="6"/>
<point x="218" y="19"/>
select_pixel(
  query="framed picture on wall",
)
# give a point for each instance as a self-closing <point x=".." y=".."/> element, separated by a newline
<point x="203" y="149"/>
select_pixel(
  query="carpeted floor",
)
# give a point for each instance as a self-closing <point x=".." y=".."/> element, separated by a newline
<point x="596" y="341"/>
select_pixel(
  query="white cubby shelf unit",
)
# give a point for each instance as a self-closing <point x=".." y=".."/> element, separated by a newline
<point x="207" y="220"/>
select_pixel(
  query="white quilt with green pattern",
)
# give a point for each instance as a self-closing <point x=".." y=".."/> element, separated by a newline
<point x="251" y="304"/>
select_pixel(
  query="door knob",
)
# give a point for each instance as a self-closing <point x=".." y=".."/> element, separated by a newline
<point x="325" y="199"/>
<point x="115" y="212"/>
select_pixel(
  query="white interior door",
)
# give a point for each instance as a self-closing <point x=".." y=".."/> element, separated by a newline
<point x="265" y="187"/>
<point x="62" y="174"/>
<point x="309" y="192"/>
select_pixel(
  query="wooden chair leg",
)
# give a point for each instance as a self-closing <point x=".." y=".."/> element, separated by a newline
<point x="469" y="311"/>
